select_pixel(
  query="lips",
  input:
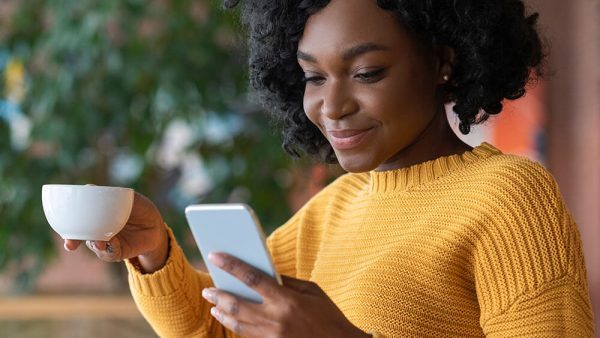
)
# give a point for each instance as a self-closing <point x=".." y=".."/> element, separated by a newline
<point x="344" y="139"/>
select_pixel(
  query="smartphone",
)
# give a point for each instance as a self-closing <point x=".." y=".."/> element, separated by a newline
<point x="233" y="229"/>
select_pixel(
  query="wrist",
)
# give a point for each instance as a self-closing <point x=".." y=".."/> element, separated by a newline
<point x="156" y="259"/>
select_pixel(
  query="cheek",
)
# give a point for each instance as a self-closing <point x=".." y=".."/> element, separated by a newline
<point x="404" y="97"/>
<point x="311" y="106"/>
<point x="383" y="102"/>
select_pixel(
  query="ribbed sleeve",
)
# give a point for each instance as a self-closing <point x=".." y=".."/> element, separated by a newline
<point x="529" y="267"/>
<point x="170" y="298"/>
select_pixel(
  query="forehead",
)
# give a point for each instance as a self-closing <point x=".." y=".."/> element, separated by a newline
<point x="345" y="23"/>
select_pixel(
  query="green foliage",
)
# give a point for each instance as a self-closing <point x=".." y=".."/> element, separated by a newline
<point x="105" y="80"/>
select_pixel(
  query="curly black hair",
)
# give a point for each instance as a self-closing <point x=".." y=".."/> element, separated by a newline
<point x="497" y="53"/>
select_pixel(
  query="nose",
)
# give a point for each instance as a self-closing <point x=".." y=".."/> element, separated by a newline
<point x="338" y="101"/>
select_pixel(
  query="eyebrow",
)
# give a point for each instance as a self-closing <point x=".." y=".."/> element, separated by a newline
<point x="349" y="53"/>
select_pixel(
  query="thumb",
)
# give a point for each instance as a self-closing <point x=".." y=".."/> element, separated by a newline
<point x="71" y="245"/>
<point x="301" y="286"/>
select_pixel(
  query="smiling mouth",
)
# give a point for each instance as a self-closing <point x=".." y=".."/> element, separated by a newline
<point x="347" y="138"/>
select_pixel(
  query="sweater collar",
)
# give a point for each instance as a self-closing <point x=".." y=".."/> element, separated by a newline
<point x="401" y="179"/>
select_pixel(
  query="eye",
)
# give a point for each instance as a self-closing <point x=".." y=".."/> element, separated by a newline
<point x="370" y="76"/>
<point x="312" y="79"/>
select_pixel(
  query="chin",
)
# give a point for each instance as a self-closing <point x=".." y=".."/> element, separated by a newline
<point x="356" y="165"/>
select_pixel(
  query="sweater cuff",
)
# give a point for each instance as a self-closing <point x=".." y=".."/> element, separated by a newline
<point x="167" y="279"/>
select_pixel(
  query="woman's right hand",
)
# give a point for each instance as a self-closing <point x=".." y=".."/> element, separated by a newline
<point x="143" y="237"/>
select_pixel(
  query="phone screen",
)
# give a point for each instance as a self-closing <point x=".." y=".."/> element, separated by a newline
<point x="235" y="230"/>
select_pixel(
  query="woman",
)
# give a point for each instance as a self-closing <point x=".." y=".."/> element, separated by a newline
<point x="424" y="236"/>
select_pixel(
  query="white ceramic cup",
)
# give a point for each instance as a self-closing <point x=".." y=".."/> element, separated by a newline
<point x="86" y="212"/>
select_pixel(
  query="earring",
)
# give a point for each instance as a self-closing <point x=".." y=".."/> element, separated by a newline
<point x="446" y="77"/>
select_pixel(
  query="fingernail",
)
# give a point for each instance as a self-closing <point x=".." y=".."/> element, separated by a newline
<point x="208" y="295"/>
<point x="215" y="312"/>
<point x="66" y="247"/>
<point x="216" y="259"/>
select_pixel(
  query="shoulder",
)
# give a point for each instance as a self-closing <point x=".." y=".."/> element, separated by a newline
<point x="517" y="192"/>
<point x="336" y="195"/>
<point x="513" y="176"/>
<point x="311" y="219"/>
<point x="346" y="184"/>
<point x="525" y="238"/>
<point x="343" y="189"/>
<point x="524" y="214"/>
<point x="518" y="202"/>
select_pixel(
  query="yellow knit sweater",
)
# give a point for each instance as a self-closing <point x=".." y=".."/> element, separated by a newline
<point x="479" y="244"/>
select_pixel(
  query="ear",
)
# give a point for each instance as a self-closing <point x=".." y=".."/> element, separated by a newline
<point x="446" y="58"/>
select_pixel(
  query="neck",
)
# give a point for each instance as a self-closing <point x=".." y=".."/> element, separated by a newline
<point x="436" y="140"/>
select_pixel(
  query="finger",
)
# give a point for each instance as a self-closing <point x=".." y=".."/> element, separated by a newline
<point x="234" y="306"/>
<point x="108" y="251"/>
<point x="71" y="244"/>
<point x="100" y="245"/>
<point x="238" y="327"/>
<point x="302" y="286"/>
<point x="247" y="274"/>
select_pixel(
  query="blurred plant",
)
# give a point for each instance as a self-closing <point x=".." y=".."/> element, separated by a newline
<point x="145" y="94"/>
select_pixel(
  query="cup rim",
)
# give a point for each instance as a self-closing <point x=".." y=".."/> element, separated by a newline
<point x="83" y="186"/>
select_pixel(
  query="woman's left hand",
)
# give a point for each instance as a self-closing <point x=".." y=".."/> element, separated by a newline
<point x="295" y="309"/>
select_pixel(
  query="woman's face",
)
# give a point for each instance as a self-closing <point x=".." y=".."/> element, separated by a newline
<point x="370" y="88"/>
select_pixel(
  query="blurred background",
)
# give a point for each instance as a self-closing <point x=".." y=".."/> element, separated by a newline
<point x="153" y="95"/>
